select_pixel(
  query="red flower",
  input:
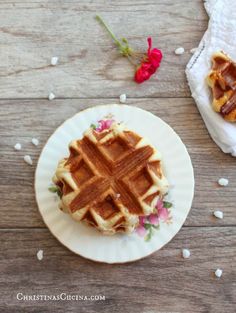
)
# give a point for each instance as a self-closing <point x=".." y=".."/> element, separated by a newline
<point x="149" y="65"/>
<point x="146" y="64"/>
<point x="154" y="55"/>
<point x="144" y="71"/>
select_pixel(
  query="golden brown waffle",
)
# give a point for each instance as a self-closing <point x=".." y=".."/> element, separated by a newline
<point x="110" y="179"/>
<point x="222" y="80"/>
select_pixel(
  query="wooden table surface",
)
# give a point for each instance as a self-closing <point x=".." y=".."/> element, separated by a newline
<point x="89" y="73"/>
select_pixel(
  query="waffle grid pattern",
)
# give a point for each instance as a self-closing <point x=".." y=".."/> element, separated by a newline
<point x="110" y="179"/>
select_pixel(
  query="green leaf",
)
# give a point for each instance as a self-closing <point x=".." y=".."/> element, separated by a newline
<point x="147" y="226"/>
<point x="93" y="126"/>
<point x="148" y="236"/>
<point x="55" y="189"/>
<point x="167" y="204"/>
<point x="156" y="226"/>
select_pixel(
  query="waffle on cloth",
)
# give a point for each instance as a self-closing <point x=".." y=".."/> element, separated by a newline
<point x="222" y="80"/>
<point x="110" y="179"/>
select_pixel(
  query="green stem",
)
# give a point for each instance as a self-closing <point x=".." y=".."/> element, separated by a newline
<point x="117" y="42"/>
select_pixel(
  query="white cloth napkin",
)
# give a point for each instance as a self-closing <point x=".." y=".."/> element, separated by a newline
<point x="220" y="35"/>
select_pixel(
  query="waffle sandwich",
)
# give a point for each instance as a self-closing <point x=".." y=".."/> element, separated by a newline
<point x="222" y="80"/>
<point x="110" y="179"/>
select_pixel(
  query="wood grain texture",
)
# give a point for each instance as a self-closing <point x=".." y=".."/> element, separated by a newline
<point x="89" y="68"/>
<point x="31" y="32"/>
<point x="163" y="282"/>
<point x="39" y="118"/>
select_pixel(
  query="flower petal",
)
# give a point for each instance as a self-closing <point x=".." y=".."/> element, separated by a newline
<point x="144" y="72"/>
<point x="108" y="123"/>
<point x="149" y="40"/>
<point x="104" y="124"/>
<point x="163" y="214"/>
<point x="155" y="57"/>
<point x="153" y="219"/>
<point x="142" y="220"/>
<point x="159" y="204"/>
<point x="141" y="231"/>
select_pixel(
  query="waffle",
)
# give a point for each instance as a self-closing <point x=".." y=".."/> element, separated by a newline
<point x="222" y="80"/>
<point x="110" y="179"/>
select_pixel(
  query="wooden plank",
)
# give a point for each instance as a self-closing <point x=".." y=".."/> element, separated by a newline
<point x="22" y="120"/>
<point x="32" y="32"/>
<point x="163" y="282"/>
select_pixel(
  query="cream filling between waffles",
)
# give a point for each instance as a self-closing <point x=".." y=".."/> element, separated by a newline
<point x="127" y="184"/>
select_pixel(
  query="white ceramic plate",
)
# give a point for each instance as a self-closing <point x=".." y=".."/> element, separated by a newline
<point x="85" y="240"/>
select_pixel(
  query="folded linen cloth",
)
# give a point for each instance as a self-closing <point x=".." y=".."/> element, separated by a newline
<point x="220" y="35"/>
